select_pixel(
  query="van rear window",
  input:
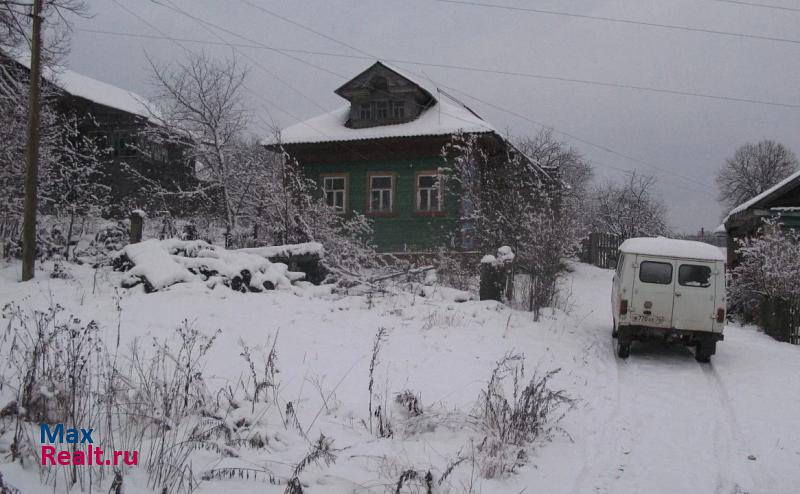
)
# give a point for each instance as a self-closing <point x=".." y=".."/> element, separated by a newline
<point x="694" y="275"/>
<point x="655" y="272"/>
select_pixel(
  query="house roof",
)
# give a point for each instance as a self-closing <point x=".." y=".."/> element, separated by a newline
<point x="773" y="192"/>
<point x="446" y="116"/>
<point x="427" y="90"/>
<point x="670" y="247"/>
<point x="442" y="118"/>
<point x="102" y="93"/>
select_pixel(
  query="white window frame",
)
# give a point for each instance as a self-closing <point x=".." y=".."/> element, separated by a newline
<point x="336" y="192"/>
<point x="382" y="191"/>
<point x="438" y="188"/>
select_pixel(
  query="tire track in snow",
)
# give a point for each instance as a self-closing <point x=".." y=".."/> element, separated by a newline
<point x="756" y="481"/>
<point x="596" y="460"/>
<point x="664" y="430"/>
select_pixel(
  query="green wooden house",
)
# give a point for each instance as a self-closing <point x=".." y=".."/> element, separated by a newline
<point x="381" y="155"/>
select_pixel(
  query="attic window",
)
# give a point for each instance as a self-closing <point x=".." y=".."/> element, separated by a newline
<point x="382" y="110"/>
<point x="365" y="111"/>
<point x="398" y="109"/>
<point x="379" y="83"/>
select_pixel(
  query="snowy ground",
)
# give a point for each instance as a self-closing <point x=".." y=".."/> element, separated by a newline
<point x="658" y="422"/>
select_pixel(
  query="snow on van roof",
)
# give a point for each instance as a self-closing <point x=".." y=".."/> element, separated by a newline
<point x="670" y="247"/>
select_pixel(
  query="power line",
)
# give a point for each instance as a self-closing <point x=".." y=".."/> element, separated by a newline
<point x="206" y="24"/>
<point x="585" y="141"/>
<point x="760" y="5"/>
<point x="617" y="20"/>
<point x="511" y="73"/>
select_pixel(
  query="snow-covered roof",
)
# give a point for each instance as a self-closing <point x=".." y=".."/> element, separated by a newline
<point x="446" y="116"/>
<point x="720" y="228"/>
<point x="670" y="247"/>
<point x="99" y="92"/>
<point x="764" y="195"/>
<point x="442" y="118"/>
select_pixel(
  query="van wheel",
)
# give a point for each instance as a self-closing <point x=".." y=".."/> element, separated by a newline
<point x="623" y="349"/>
<point x="704" y="351"/>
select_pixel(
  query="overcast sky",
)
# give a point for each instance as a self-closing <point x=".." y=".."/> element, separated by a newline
<point x="682" y="139"/>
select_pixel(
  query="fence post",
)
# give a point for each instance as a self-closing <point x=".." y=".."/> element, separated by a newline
<point x="497" y="276"/>
<point x="137" y="225"/>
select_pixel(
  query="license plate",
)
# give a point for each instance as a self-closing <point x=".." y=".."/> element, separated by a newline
<point x="645" y="319"/>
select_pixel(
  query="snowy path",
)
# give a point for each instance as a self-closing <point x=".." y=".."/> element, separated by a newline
<point x="664" y="423"/>
<point x="658" y="422"/>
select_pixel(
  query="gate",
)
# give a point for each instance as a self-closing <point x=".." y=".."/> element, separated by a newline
<point x="601" y="250"/>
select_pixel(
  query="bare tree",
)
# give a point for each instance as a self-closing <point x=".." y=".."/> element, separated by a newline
<point x="201" y="107"/>
<point x="628" y="209"/>
<point x="16" y="19"/>
<point x="550" y="153"/>
<point x="753" y="169"/>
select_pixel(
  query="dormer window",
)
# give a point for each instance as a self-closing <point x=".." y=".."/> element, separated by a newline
<point x="365" y="111"/>
<point x="398" y="109"/>
<point x="382" y="110"/>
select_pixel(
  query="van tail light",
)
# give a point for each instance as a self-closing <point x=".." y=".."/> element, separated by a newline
<point x="720" y="315"/>
<point x="623" y="307"/>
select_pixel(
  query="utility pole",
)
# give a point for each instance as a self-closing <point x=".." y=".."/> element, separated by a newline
<point x="32" y="148"/>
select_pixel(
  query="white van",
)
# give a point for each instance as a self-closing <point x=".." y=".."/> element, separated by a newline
<point x="669" y="289"/>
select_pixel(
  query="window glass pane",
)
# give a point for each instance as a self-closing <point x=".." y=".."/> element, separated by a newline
<point x="398" y="109"/>
<point x="334" y="183"/>
<point x="329" y="198"/>
<point x="423" y="200"/>
<point x="375" y="203"/>
<point x="694" y="275"/>
<point x="655" y="272"/>
<point x="381" y="182"/>
<point x="386" y="200"/>
<point x="434" y="201"/>
<point x="382" y="109"/>
<point x="365" y="111"/>
<point x="427" y="181"/>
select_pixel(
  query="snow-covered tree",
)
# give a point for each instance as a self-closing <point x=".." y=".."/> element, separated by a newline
<point x="510" y="200"/>
<point x="70" y="163"/>
<point x="201" y="110"/>
<point x="769" y="268"/>
<point x="628" y="209"/>
<point x="753" y="169"/>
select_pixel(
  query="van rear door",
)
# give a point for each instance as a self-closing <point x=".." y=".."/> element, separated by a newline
<point x="653" y="289"/>
<point x="695" y="289"/>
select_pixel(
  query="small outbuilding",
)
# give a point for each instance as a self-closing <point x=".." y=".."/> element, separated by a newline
<point x="780" y="201"/>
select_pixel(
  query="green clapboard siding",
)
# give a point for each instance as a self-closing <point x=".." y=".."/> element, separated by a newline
<point x="404" y="230"/>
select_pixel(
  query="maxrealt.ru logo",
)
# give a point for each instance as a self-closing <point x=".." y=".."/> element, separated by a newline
<point x="92" y="455"/>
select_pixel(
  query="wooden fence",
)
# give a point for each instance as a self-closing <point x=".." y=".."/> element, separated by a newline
<point x="781" y="319"/>
<point x="601" y="250"/>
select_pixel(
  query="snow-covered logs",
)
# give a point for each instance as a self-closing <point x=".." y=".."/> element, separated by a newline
<point x="158" y="264"/>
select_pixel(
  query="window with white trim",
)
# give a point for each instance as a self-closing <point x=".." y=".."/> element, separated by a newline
<point x="335" y="189"/>
<point x="429" y="193"/>
<point x="381" y="193"/>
